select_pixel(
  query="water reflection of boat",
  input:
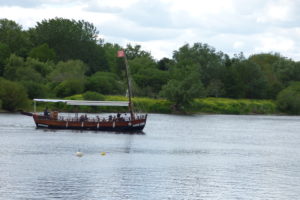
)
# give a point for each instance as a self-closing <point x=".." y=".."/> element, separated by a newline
<point x="117" y="122"/>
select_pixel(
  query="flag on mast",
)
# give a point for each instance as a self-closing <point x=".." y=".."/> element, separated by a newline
<point x="121" y="53"/>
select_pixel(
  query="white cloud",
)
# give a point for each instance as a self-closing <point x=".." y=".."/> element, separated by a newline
<point x="162" y="26"/>
<point x="108" y="6"/>
<point x="238" y="45"/>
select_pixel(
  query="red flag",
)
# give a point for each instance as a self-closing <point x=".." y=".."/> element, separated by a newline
<point x="121" y="53"/>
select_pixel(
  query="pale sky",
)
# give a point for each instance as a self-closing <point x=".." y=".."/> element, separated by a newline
<point x="162" y="26"/>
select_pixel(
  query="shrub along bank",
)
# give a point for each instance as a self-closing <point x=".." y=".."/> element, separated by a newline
<point x="148" y="105"/>
<point x="233" y="106"/>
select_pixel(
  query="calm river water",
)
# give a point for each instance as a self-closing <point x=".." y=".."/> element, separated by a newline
<point x="178" y="157"/>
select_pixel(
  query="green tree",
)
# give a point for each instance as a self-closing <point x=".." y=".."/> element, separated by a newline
<point x="17" y="70"/>
<point x="165" y="64"/>
<point x="44" y="68"/>
<point x="12" y="35"/>
<point x="68" y="78"/>
<point x="266" y="62"/>
<point x="4" y="55"/>
<point x="209" y="63"/>
<point x="13" y="64"/>
<point x="71" y="69"/>
<point x="147" y="76"/>
<point x="105" y="83"/>
<point x="116" y="65"/>
<point x="43" y="53"/>
<point x="93" y="96"/>
<point x="285" y="70"/>
<point x="297" y="72"/>
<point x="71" y="40"/>
<point x="184" y="88"/>
<point x="288" y="100"/>
<point x="12" y="95"/>
<point x="247" y="81"/>
<point x="28" y="74"/>
<point x="135" y="51"/>
<point x="69" y="87"/>
<point x="215" y="88"/>
<point x="36" y="90"/>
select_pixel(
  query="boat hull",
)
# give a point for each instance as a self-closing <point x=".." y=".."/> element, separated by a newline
<point x="124" y="126"/>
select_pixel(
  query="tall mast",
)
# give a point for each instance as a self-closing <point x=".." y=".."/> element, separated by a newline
<point x="129" y="87"/>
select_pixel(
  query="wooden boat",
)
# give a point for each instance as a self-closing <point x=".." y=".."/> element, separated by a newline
<point x="114" y="122"/>
<point x="128" y="122"/>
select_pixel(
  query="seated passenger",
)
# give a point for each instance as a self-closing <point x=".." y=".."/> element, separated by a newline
<point x="46" y="112"/>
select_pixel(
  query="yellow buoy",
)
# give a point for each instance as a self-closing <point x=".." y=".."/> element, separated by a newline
<point x="103" y="153"/>
<point x="79" y="154"/>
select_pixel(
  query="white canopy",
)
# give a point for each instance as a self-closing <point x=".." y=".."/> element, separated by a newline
<point x="50" y="100"/>
<point x="86" y="103"/>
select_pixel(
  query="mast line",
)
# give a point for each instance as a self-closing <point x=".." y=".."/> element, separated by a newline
<point x="129" y="87"/>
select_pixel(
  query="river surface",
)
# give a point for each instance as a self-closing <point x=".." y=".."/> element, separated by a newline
<point x="177" y="157"/>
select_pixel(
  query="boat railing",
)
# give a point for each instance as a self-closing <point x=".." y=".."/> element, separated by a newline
<point x="85" y="118"/>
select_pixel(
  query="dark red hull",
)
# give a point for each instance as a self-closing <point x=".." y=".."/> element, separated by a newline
<point x="134" y="125"/>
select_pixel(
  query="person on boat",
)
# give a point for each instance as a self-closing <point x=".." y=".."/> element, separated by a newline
<point x="118" y="116"/>
<point x="126" y="118"/>
<point x="46" y="112"/>
<point x="82" y="118"/>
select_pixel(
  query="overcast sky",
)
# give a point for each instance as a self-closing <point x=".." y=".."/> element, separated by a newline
<point x="162" y="26"/>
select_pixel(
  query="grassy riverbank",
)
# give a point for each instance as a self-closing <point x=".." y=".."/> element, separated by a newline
<point x="233" y="106"/>
<point x="201" y="105"/>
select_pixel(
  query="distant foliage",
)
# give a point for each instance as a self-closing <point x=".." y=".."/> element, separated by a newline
<point x="147" y="77"/>
<point x="14" y="63"/>
<point x="136" y="51"/>
<point x="289" y="99"/>
<point x="233" y="106"/>
<point x="12" y="35"/>
<point x="43" y="53"/>
<point x="17" y="69"/>
<point x="36" y="90"/>
<point x="44" y="68"/>
<point x="69" y="87"/>
<point x="105" y="83"/>
<point x="71" y="69"/>
<point x="93" y="96"/>
<point x="4" y="55"/>
<point x="247" y="81"/>
<point x="61" y="57"/>
<point x="183" y="92"/>
<point x="71" y="40"/>
<point x="12" y="95"/>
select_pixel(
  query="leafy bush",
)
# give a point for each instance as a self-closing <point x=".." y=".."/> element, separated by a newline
<point x="233" y="106"/>
<point x="36" y="90"/>
<point x="69" y="87"/>
<point x="152" y="105"/>
<point x="13" y="95"/>
<point x="44" y="68"/>
<point x="289" y="99"/>
<point x="43" y="53"/>
<point x="69" y="70"/>
<point x="94" y="96"/>
<point x="104" y="83"/>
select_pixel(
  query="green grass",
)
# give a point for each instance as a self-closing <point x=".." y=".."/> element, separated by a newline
<point x="148" y="105"/>
<point x="233" y="106"/>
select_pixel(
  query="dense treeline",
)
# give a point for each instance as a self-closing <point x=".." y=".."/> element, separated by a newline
<point x="61" y="57"/>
